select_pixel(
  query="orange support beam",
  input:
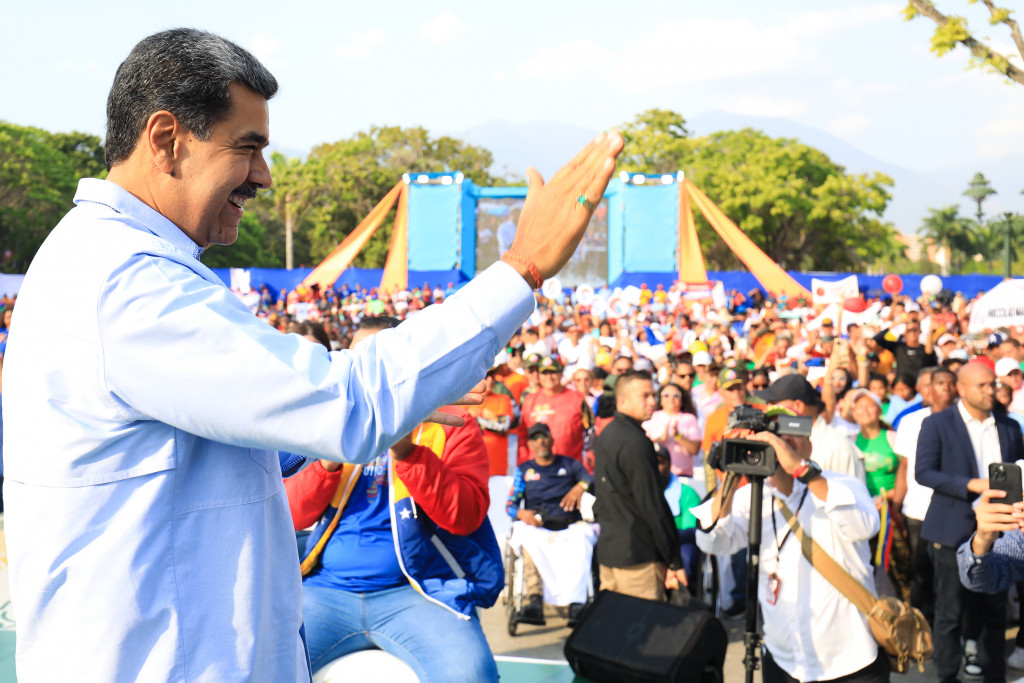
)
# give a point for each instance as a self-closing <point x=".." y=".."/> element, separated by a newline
<point x="341" y="258"/>
<point x="691" y="260"/>
<point x="768" y="272"/>
<point x="396" y="270"/>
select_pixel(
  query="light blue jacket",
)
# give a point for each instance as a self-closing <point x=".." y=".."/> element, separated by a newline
<point x="147" y="529"/>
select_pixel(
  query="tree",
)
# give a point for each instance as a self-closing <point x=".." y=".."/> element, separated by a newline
<point x="359" y="171"/>
<point x="979" y="190"/>
<point x="655" y="140"/>
<point x="250" y="250"/>
<point x="799" y="207"/>
<point x="947" y="229"/>
<point x="39" y="172"/>
<point x="952" y="30"/>
<point x="297" y="191"/>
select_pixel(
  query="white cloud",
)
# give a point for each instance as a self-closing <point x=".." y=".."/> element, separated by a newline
<point x="675" y="53"/>
<point x="848" y="125"/>
<point x="78" y="67"/>
<point x="819" y="24"/>
<point x="443" y="29"/>
<point x="752" y="105"/>
<point x="1003" y="133"/>
<point x="267" y="49"/>
<point x="360" y="45"/>
<point x="567" y="59"/>
<point x="849" y="93"/>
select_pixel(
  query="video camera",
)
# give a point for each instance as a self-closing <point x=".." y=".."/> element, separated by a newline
<point x="754" y="458"/>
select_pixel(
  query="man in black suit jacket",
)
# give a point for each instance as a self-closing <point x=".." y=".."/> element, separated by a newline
<point x="953" y="453"/>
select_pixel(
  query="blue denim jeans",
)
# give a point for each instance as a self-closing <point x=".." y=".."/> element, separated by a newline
<point x="438" y="645"/>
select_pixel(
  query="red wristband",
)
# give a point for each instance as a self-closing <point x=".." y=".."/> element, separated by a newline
<point x="531" y="270"/>
<point x="799" y="471"/>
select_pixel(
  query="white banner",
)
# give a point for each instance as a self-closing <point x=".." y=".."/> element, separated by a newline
<point x="826" y="292"/>
<point x="831" y="313"/>
<point x="240" y="280"/>
<point x="1001" y="306"/>
<point x="868" y="316"/>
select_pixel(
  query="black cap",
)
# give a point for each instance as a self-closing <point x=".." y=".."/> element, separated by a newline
<point x="539" y="428"/>
<point x="792" y="387"/>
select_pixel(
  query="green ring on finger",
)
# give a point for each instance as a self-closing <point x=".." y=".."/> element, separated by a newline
<point x="586" y="203"/>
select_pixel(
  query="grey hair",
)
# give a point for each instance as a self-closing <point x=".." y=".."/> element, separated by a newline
<point x="184" y="71"/>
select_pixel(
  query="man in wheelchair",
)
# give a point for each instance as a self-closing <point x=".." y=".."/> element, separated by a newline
<point x="556" y="545"/>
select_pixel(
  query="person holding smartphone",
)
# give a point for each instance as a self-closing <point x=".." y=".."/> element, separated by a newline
<point x="954" y="450"/>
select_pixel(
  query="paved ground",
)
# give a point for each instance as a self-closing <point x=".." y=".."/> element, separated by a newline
<point x="546" y="642"/>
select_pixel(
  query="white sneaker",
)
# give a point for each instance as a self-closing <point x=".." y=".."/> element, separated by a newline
<point x="1016" y="660"/>
<point x="972" y="666"/>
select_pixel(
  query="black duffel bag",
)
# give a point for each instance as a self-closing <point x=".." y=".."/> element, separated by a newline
<point x="622" y="639"/>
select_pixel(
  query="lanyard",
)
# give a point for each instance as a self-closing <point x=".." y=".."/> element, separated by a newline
<point x="774" y="582"/>
<point x="789" y="530"/>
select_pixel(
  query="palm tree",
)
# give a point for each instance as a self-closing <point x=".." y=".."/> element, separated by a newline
<point x="945" y="227"/>
<point x="979" y="190"/>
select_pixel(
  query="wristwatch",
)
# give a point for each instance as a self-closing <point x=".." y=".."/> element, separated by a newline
<point x="809" y="470"/>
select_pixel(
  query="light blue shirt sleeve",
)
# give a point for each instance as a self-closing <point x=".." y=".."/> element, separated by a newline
<point x="187" y="352"/>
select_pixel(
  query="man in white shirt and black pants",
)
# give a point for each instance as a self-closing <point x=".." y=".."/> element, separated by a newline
<point x="811" y="631"/>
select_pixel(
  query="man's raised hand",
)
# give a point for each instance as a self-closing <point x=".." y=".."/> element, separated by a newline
<point x="554" y="216"/>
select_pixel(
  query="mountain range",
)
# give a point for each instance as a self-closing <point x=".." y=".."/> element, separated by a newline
<point x="547" y="145"/>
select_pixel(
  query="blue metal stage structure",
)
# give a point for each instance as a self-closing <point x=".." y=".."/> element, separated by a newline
<point x="456" y="226"/>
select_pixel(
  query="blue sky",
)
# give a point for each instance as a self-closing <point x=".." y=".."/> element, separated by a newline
<point x="854" y="69"/>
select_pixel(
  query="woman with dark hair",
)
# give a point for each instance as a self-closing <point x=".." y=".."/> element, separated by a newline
<point x="674" y="426"/>
<point x="840" y="382"/>
<point x="759" y="379"/>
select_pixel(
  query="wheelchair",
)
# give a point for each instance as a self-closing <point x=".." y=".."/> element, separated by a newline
<point x="708" y="584"/>
<point x="515" y="587"/>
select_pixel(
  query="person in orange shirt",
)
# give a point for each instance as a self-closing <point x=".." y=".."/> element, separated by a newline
<point x="732" y="387"/>
<point x="512" y="375"/>
<point x="496" y="417"/>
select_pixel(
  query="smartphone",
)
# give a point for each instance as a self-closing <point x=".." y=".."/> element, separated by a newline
<point x="1005" y="476"/>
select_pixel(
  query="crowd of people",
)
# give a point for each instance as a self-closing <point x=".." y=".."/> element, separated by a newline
<point x="869" y="385"/>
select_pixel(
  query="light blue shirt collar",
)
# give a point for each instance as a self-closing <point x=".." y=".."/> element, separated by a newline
<point x="124" y="202"/>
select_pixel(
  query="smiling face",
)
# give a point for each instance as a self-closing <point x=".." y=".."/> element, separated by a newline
<point x="220" y="174"/>
<point x="551" y="381"/>
<point x="865" y="411"/>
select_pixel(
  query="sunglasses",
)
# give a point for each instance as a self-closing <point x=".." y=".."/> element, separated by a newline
<point x="678" y="397"/>
<point x="686" y="375"/>
<point x="538" y="436"/>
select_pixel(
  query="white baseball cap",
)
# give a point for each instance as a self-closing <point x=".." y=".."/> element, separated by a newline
<point x="701" y="358"/>
<point x="1004" y="366"/>
<point x="859" y="393"/>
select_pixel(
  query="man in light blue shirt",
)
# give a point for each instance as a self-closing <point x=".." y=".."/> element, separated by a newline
<point x="148" y="533"/>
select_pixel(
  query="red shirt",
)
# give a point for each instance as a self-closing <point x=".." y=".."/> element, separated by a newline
<point x="562" y="413"/>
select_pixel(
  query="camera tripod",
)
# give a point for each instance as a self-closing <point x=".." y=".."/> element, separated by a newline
<point x="751" y="636"/>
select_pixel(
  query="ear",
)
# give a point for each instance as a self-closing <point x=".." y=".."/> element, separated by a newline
<point x="162" y="138"/>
